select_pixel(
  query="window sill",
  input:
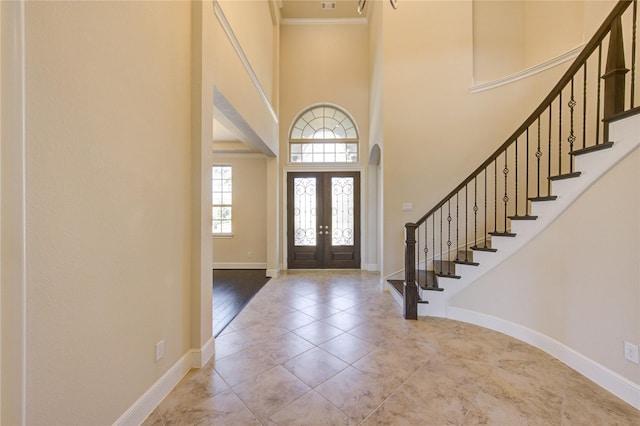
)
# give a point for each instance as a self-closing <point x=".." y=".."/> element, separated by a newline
<point x="222" y="235"/>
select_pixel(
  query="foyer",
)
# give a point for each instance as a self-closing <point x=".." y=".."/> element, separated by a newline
<point x="331" y="348"/>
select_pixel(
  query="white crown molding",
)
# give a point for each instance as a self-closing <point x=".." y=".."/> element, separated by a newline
<point x="219" y="154"/>
<point x="226" y="26"/>
<point x="321" y="21"/>
<point x="571" y="54"/>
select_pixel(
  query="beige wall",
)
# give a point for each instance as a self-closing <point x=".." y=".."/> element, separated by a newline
<point x="248" y="246"/>
<point x="499" y="38"/>
<point x="12" y="259"/>
<point x="436" y="131"/>
<point x="578" y="281"/>
<point x="108" y="204"/>
<point x="551" y="29"/>
<point x="375" y="252"/>
<point x="511" y="36"/>
<point x="247" y="19"/>
<point x="325" y="63"/>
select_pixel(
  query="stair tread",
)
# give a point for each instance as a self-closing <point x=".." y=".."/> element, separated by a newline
<point x="445" y="275"/>
<point x="502" y="234"/>
<point x="427" y="280"/>
<point x="465" y="262"/>
<point x="592" y="148"/>
<point x="565" y="176"/>
<point x="481" y="248"/>
<point x="398" y="286"/>
<point x="544" y="198"/>
<point x="523" y="217"/>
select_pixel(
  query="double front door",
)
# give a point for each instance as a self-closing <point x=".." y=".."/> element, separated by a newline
<point x="323" y="215"/>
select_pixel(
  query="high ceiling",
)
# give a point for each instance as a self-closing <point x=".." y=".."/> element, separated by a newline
<point x="312" y="9"/>
<point x="226" y="137"/>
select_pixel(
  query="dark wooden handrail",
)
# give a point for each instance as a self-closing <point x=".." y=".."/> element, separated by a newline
<point x="589" y="48"/>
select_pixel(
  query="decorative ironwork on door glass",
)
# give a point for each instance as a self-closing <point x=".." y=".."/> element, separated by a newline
<point x="342" y="211"/>
<point x="304" y="224"/>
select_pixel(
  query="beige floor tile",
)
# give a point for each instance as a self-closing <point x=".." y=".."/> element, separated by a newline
<point x="196" y="386"/>
<point x="502" y="400"/>
<point x="344" y="321"/>
<point x="223" y="409"/>
<point x="354" y="392"/>
<point x="407" y="406"/>
<point x="229" y="344"/>
<point x="262" y="332"/>
<point x="348" y="347"/>
<point x="243" y="366"/>
<point x="300" y="302"/>
<point x="310" y="410"/>
<point x="154" y="419"/>
<point x="294" y="320"/>
<point x="431" y="371"/>
<point x="315" y="366"/>
<point x="587" y="403"/>
<point x="270" y="391"/>
<point x="285" y="347"/>
<point x="343" y="303"/>
<point x="320" y="310"/>
<point x="318" y="332"/>
<point x="391" y="368"/>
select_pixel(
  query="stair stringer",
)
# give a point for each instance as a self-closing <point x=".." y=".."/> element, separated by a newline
<point x="625" y="134"/>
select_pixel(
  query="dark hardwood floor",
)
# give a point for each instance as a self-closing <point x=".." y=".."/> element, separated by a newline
<point x="232" y="290"/>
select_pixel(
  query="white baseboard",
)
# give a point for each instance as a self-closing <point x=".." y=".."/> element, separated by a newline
<point x="238" y="265"/>
<point x="140" y="410"/>
<point x="273" y="273"/>
<point x="199" y="357"/>
<point x="371" y="267"/>
<point x="620" y="386"/>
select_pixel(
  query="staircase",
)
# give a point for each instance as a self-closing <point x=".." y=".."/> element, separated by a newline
<point x="444" y="278"/>
<point x="585" y="125"/>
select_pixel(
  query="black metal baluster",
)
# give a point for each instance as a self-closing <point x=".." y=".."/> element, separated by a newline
<point x="475" y="210"/>
<point x="549" y="154"/>
<point x="633" y="54"/>
<point x="584" y="108"/>
<point x="417" y="254"/>
<point x="495" y="196"/>
<point x="441" y="256"/>
<point x="560" y="133"/>
<point x="572" y="137"/>
<point x="516" y="179"/>
<point x="433" y="244"/>
<point x="505" y="199"/>
<point x="426" y="250"/>
<point x="485" y="202"/>
<point x="457" y="224"/>
<point x="466" y="215"/>
<point x="598" y="94"/>
<point x="526" y="198"/>
<point x="538" y="156"/>
<point x="449" y="237"/>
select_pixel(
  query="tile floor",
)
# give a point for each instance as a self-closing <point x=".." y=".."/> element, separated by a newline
<point x="331" y="348"/>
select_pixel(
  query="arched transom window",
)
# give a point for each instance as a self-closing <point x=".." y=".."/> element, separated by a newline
<point x="323" y="134"/>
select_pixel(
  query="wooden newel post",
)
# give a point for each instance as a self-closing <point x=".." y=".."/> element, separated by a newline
<point x="410" y="291"/>
<point x="614" y="75"/>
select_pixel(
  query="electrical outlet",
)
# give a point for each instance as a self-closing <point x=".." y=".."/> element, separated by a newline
<point x="159" y="350"/>
<point x="631" y="352"/>
<point x="249" y="254"/>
